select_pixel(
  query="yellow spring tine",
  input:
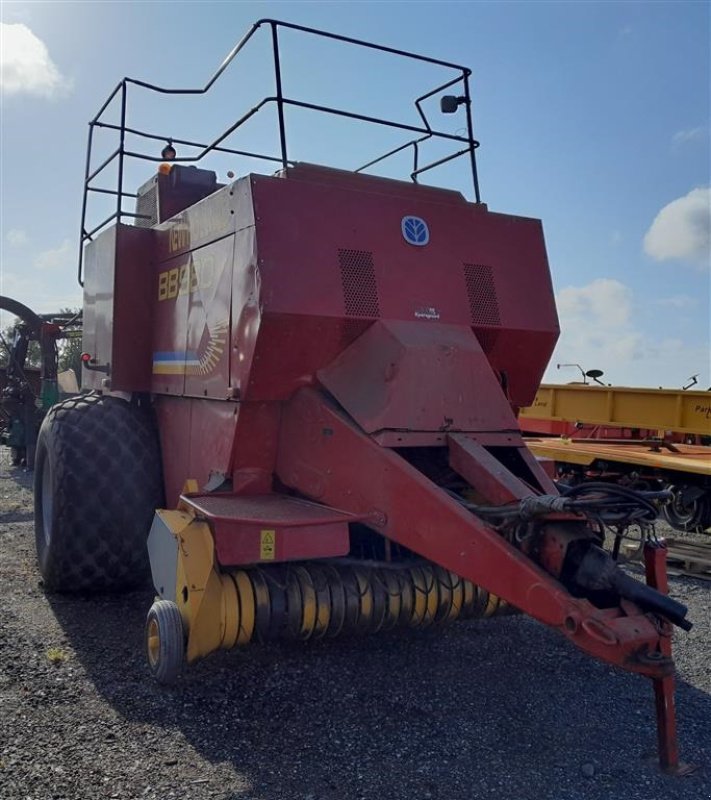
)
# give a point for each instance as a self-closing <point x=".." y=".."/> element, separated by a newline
<point x="246" y="606"/>
<point x="323" y="600"/>
<point x="419" y="594"/>
<point x="365" y="592"/>
<point x="308" y="601"/>
<point x="230" y="612"/>
<point x="457" y="585"/>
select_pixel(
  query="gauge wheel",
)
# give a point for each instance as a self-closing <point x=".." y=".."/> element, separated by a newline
<point x="165" y="641"/>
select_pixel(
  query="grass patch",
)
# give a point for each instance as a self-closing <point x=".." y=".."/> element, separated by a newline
<point x="56" y="656"/>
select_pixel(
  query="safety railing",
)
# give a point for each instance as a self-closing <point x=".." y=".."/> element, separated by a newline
<point x="422" y="132"/>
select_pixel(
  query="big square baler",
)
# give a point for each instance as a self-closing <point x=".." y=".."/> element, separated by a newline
<point x="305" y="386"/>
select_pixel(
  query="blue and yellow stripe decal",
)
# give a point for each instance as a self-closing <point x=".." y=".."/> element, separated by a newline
<point x="176" y="363"/>
<point x="190" y="362"/>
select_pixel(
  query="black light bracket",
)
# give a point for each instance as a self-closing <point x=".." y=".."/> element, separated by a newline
<point x="450" y="103"/>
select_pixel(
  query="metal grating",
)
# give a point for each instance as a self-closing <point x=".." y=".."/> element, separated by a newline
<point x="147" y="203"/>
<point x="483" y="303"/>
<point x="360" y="292"/>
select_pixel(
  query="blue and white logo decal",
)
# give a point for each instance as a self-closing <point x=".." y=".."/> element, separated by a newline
<point x="415" y="231"/>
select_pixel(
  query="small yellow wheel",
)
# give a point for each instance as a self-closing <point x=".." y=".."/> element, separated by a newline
<point x="165" y="641"/>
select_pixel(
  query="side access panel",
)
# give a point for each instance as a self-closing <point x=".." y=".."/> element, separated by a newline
<point x="192" y="322"/>
<point x="193" y="277"/>
<point x="117" y="309"/>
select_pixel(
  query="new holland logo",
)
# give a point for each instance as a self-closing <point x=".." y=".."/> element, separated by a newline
<point x="415" y="231"/>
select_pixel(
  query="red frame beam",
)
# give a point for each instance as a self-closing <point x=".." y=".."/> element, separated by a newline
<point x="325" y="457"/>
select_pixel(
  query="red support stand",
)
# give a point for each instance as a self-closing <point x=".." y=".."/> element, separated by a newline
<point x="655" y="564"/>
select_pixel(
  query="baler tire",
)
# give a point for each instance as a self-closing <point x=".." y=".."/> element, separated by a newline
<point x="98" y="481"/>
<point x="165" y="642"/>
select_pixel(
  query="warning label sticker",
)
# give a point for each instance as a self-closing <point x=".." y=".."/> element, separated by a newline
<point x="267" y="546"/>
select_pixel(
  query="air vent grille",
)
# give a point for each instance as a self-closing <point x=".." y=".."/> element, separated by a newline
<point x="147" y="206"/>
<point x="360" y="292"/>
<point x="483" y="303"/>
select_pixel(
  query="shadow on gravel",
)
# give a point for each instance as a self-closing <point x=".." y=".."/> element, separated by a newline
<point x="500" y="709"/>
<point x="20" y="516"/>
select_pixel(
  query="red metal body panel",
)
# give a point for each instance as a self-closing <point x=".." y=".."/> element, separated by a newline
<point x="255" y="447"/>
<point x="196" y="441"/>
<point x="192" y="266"/>
<point x="246" y="310"/>
<point x="324" y="456"/>
<point x="333" y="248"/>
<point x="118" y="309"/>
<point x="407" y="376"/>
<point x="297" y="529"/>
<point x="192" y="322"/>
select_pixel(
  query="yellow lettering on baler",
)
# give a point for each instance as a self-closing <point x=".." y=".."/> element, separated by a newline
<point x="163" y="286"/>
<point x="187" y="279"/>
<point x="173" y="275"/>
<point x="178" y="239"/>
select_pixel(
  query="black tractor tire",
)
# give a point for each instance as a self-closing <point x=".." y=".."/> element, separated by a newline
<point x="165" y="642"/>
<point x="98" y="481"/>
<point x="693" y="516"/>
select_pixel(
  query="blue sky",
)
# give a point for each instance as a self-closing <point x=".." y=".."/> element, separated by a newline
<point x="592" y="116"/>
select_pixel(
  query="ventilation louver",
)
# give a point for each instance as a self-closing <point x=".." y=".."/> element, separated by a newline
<point x="481" y="291"/>
<point x="360" y="292"/>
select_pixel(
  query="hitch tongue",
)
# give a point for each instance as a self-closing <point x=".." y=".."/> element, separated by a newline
<point x="655" y="556"/>
<point x="597" y="571"/>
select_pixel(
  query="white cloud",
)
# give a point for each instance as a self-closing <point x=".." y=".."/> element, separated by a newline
<point x="25" y="64"/>
<point x="16" y="237"/>
<point x="682" y="229"/>
<point x="58" y="258"/>
<point x="605" y="299"/>
<point x="38" y="293"/>
<point x="598" y="331"/>
<point x="677" y="301"/>
<point x="680" y="138"/>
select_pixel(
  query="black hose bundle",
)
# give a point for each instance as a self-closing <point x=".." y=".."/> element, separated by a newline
<point x="613" y="504"/>
<point x="609" y="504"/>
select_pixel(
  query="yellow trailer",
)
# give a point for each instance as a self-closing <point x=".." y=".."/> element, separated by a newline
<point x="679" y="411"/>
<point x="607" y="452"/>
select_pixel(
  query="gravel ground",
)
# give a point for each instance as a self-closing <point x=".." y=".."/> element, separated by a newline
<point x="504" y="709"/>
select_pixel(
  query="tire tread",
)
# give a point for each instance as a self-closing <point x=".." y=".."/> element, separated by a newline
<point x="107" y="483"/>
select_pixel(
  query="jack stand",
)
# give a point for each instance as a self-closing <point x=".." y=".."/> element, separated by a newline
<point x="655" y="566"/>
